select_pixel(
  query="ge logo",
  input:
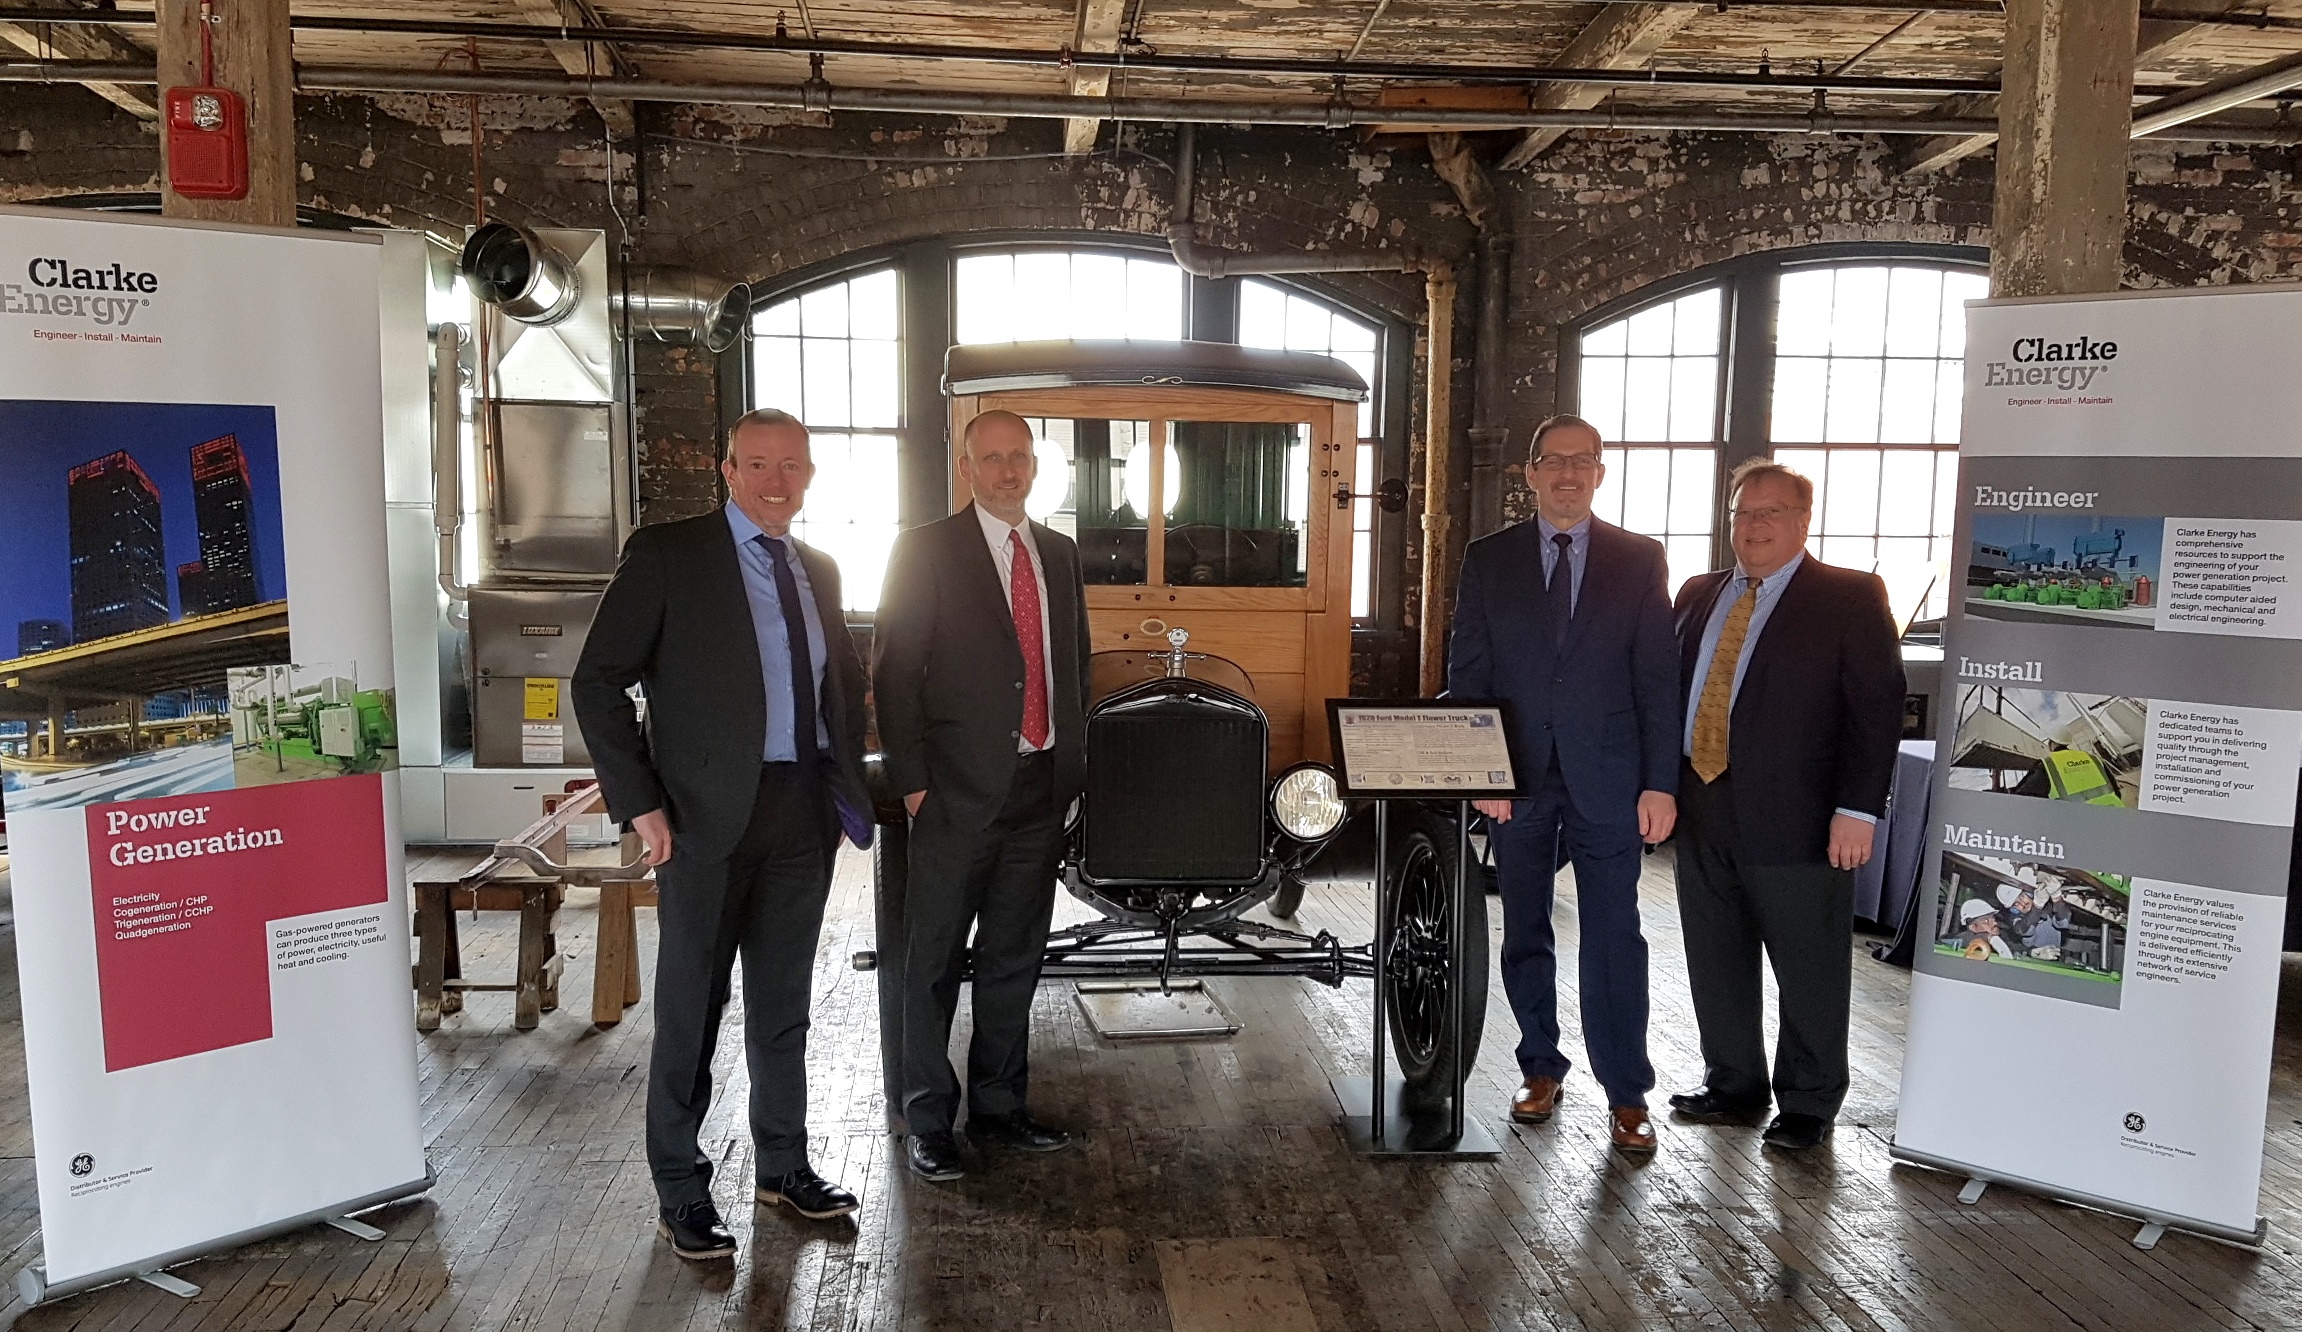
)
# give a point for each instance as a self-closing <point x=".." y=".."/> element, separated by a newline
<point x="83" y="1164"/>
<point x="2134" y="1123"/>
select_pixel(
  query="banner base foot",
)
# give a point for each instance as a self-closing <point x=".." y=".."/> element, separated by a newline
<point x="174" y="1285"/>
<point x="1972" y="1193"/>
<point x="355" y="1229"/>
<point x="2149" y="1235"/>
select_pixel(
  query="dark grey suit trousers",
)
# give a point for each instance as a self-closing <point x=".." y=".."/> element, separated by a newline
<point x="1000" y="882"/>
<point x="764" y="900"/>
<point x="1801" y="917"/>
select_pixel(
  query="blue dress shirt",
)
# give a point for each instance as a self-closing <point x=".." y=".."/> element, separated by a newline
<point x="774" y="639"/>
<point x="1770" y="589"/>
<point x="1578" y="554"/>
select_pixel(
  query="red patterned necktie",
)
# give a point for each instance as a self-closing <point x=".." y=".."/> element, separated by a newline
<point x="1023" y="598"/>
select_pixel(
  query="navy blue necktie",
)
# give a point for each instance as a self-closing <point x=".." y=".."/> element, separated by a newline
<point x="802" y="663"/>
<point x="1559" y="590"/>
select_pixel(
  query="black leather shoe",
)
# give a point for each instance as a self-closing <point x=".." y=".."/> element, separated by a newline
<point x="935" y="1156"/>
<point x="808" y="1193"/>
<point x="1019" y="1131"/>
<point x="1797" y="1133"/>
<point x="1704" y="1104"/>
<point x="695" y="1231"/>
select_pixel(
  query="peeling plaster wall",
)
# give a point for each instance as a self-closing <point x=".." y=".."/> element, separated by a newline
<point x="763" y="195"/>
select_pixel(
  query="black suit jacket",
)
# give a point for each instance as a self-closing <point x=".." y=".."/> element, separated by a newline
<point x="947" y="672"/>
<point x="1816" y="723"/>
<point x="1609" y="699"/>
<point x="676" y="620"/>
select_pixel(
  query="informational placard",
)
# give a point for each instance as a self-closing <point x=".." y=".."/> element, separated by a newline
<point x="212" y="936"/>
<point x="2104" y="889"/>
<point x="1416" y="747"/>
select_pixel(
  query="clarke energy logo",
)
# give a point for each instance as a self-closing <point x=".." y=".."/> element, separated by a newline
<point x="105" y="295"/>
<point x="2067" y="367"/>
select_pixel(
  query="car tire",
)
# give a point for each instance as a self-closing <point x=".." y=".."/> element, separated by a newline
<point x="1422" y="881"/>
<point x="1287" y="899"/>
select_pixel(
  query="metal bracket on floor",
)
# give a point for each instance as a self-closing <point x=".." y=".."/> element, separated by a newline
<point x="174" y="1285"/>
<point x="355" y="1229"/>
<point x="1972" y="1193"/>
<point x="2149" y="1235"/>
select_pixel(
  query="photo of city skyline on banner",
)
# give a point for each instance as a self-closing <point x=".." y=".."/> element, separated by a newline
<point x="144" y="614"/>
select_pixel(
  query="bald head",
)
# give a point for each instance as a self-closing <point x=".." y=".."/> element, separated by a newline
<point x="998" y="463"/>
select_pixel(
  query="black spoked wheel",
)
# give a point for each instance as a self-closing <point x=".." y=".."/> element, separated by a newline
<point x="1425" y="983"/>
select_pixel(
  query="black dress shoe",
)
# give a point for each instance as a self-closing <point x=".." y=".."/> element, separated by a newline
<point x="1796" y="1133"/>
<point x="1018" y="1130"/>
<point x="808" y="1193"/>
<point x="1705" y="1104"/>
<point x="935" y="1156"/>
<point x="695" y="1231"/>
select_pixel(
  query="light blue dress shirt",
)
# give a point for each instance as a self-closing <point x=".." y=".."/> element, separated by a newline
<point x="1770" y="590"/>
<point x="774" y="640"/>
<point x="1578" y="554"/>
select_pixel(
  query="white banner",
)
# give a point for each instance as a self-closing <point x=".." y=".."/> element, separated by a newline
<point x="2114" y="801"/>
<point x="212" y="935"/>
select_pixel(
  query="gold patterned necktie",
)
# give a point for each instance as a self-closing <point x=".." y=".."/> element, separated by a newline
<point x="1717" y="702"/>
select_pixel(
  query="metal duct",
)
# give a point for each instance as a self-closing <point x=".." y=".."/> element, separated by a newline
<point x="684" y="306"/>
<point x="514" y="271"/>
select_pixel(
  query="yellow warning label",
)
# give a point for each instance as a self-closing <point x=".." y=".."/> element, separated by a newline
<point x="543" y="699"/>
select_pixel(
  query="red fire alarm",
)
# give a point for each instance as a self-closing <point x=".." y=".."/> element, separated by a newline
<point x="207" y="129"/>
<point x="207" y="143"/>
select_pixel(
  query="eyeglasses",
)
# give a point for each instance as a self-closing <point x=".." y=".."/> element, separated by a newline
<point x="1768" y="514"/>
<point x="1568" y="462"/>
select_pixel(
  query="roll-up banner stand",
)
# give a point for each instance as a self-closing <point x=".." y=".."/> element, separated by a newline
<point x="2114" y="794"/>
<point x="196" y="723"/>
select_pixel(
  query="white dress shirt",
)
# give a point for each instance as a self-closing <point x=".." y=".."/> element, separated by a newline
<point x="995" y="533"/>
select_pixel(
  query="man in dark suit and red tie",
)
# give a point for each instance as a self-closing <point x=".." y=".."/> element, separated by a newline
<point x="980" y="675"/>
<point x="1793" y="681"/>
<point x="1568" y="618"/>
<point x="750" y="764"/>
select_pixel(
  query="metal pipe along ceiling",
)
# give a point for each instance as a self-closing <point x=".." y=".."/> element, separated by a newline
<point x="1177" y="110"/>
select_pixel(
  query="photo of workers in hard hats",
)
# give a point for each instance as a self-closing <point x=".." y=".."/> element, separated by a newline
<point x="2050" y="744"/>
<point x="2023" y="913"/>
<point x="2065" y="569"/>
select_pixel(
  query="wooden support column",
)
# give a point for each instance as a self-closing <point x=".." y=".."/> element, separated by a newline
<point x="1438" y="479"/>
<point x="253" y="59"/>
<point x="2059" y="224"/>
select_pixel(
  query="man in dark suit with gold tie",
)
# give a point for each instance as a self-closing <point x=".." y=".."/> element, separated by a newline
<point x="1794" y="687"/>
<point x="748" y="768"/>
<point x="980" y="676"/>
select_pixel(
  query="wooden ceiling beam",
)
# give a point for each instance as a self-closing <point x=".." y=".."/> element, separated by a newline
<point x="81" y="42"/>
<point x="2157" y="39"/>
<point x="1097" y="30"/>
<point x="1623" y="36"/>
<point x="585" y="59"/>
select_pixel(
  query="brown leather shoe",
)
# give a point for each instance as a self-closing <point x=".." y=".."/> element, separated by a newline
<point x="1536" y="1099"/>
<point x="1631" y="1132"/>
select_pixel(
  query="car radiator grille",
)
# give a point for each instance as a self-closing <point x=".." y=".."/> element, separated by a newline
<point x="1175" y="791"/>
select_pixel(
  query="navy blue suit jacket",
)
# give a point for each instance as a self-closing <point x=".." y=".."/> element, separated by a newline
<point x="1611" y="693"/>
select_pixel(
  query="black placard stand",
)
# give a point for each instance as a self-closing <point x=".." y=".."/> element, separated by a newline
<point x="1387" y="1124"/>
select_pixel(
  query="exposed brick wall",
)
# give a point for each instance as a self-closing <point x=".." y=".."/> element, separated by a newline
<point x="752" y="195"/>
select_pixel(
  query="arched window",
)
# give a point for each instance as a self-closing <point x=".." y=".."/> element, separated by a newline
<point x="833" y="357"/>
<point x="834" y="352"/>
<point x="1847" y="367"/>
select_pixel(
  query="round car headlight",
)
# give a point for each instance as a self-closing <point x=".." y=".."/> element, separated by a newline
<point x="1307" y="803"/>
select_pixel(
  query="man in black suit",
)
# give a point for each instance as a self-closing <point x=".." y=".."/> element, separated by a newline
<point x="1793" y="680"/>
<point x="748" y="768"/>
<point x="1568" y="618"/>
<point x="980" y="674"/>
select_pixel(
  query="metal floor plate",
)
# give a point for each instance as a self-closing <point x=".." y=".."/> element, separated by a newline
<point x="1137" y="1010"/>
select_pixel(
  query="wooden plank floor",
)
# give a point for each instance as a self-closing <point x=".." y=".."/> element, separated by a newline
<point x="543" y="1217"/>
